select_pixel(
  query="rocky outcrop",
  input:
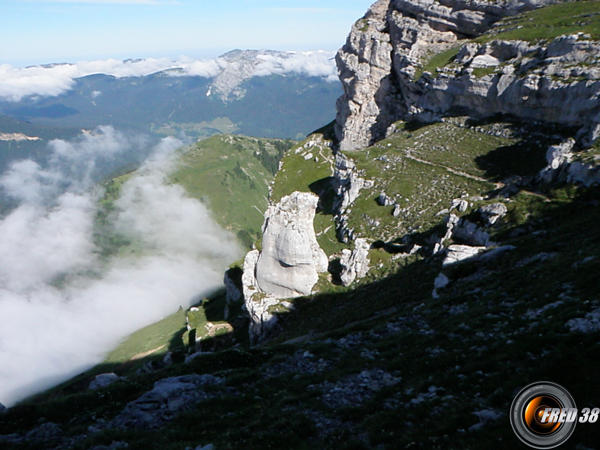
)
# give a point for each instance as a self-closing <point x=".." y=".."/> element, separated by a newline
<point x="561" y="165"/>
<point x="355" y="263"/>
<point x="381" y="64"/>
<point x="289" y="263"/>
<point x="364" y="66"/>
<point x="291" y="258"/>
<point x="348" y="184"/>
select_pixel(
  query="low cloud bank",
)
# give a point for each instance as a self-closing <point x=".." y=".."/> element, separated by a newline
<point x="62" y="306"/>
<point x="54" y="80"/>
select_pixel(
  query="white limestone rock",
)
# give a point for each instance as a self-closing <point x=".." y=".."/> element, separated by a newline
<point x="492" y="213"/>
<point x="355" y="263"/>
<point x="289" y="263"/>
<point x="103" y="380"/>
<point x="440" y="282"/>
<point x="291" y="258"/>
<point x="468" y="232"/>
<point x="348" y="183"/>
<point x="458" y="253"/>
<point x="388" y="47"/>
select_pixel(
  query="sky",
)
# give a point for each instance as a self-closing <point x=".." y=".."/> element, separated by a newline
<point x="37" y="32"/>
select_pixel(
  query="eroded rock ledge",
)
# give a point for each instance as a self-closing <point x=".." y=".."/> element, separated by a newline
<point x="381" y="70"/>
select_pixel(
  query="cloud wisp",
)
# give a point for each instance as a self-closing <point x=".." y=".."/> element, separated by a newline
<point x="62" y="305"/>
<point x="57" y="79"/>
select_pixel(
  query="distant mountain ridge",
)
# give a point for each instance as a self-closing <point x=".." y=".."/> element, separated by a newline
<point x="254" y="92"/>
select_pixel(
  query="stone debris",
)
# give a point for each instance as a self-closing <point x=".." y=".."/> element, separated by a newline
<point x="168" y="398"/>
<point x="301" y="363"/>
<point x="46" y="433"/>
<point x="355" y="389"/>
<point x="469" y="233"/>
<point x="460" y="204"/>
<point x="384" y="200"/>
<point x="588" y="324"/>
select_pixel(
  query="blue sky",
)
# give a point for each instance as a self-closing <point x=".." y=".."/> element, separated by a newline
<point x="47" y="31"/>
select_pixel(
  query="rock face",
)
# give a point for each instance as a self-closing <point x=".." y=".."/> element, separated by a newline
<point x="289" y="263"/>
<point x="381" y="61"/>
<point x="348" y="184"/>
<point x="355" y="263"/>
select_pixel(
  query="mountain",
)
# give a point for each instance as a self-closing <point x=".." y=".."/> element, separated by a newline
<point x="20" y="139"/>
<point x="423" y="258"/>
<point x="257" y="93"/>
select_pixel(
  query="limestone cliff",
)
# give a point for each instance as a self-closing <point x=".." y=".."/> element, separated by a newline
<point x="382" y="69"/>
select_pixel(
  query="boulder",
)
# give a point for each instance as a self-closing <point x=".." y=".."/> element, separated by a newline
<point x="492" y="213"/>
<point x="469" y="233"/>
<point x="384" y="200"/>
<point x="458" y="253"/>
<point x="103" y="380"/>
<point x="557" y="156"/>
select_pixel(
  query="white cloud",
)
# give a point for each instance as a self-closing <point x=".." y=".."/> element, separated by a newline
<point x="54" y="80"/>
<point x="62" y="307"/>
<point x="316" y="64"/>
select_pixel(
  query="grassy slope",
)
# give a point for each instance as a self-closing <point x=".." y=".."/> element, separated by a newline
<point x="485" y="338"/>
<point x="496" y="327"/>
<point x="548" y="23"/>
<point x="537" y="26"/>
<point x="229" y="175"/>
